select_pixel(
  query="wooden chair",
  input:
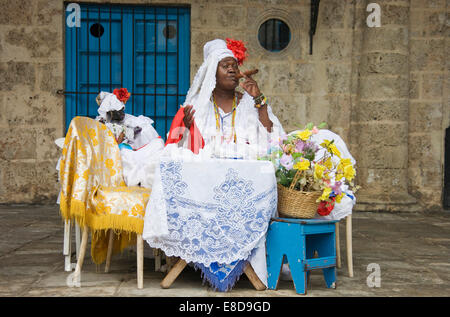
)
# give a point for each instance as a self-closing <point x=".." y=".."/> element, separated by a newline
<point x="349" y="246"/>
<point x="75" y="277"/>
<point x="67" y="246"/>
<point x="181" y="264"/>
<point x="339" y="142"/>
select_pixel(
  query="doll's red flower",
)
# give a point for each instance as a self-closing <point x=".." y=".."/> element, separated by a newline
<point x="238" y="48"/>
<point x="122" y="94"/>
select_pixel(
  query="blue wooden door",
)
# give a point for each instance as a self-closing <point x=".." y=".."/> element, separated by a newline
<point x="145" y="49"/>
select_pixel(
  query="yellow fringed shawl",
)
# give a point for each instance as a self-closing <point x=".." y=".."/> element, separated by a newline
<point x="93" y="191"/>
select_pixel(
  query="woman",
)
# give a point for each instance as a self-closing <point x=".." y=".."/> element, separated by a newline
<point x="217" y="109"/>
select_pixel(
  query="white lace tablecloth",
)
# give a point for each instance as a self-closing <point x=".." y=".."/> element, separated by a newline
<point x="212" y="211"/>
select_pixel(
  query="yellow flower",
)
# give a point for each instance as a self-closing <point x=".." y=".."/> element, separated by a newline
<point x="289" y="149"/>
<point x="349" y="172"/>
<point x="334" y="150"/>
<point x="339" y="197"/>
<point x="304" y="135"/>
<point x="343" y="163"/>
<point x="331" y="148"/>
<point x="328" y="163"/>
<point x="318" y="171"/>
<point x="325" y="143"/>
<point x="325" y="194"/>
<point x="339" y="176"/>
<point x="302" y="165"/>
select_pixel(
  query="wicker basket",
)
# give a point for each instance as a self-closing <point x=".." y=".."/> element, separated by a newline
<point x="297" y="204"/>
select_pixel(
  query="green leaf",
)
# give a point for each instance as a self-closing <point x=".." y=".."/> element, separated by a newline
<point x="278" y="153"/>
<point x="322" y="125"/>
<point x="278" y="173"/>
<point x="284" y="180"/>
<point x="309" y="126"/>
<point x="292" y="173"/>
<point x="310" y="155"/>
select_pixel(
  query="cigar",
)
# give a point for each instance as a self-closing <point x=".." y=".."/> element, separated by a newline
<point x="247" y="73"/>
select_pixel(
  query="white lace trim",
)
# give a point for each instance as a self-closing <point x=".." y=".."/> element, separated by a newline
<point x="222" y="226"/>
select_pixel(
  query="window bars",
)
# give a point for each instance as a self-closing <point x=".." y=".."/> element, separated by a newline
<point x="136" y="47"/>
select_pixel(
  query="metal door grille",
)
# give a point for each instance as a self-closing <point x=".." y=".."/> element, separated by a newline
<point x="145" y="49"/>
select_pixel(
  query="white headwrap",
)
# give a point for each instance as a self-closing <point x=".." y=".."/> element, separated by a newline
<point x="108" y="102"/>
<point x="205" y="80"/>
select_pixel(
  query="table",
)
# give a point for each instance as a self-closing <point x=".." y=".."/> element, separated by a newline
<point x="213" y="213"/>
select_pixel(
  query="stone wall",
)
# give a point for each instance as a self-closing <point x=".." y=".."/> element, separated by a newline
<point x="381" y="89"/>
<point x="429" y="111"/>
<point x="380" y="113"/>
<point x="31" y="70"/>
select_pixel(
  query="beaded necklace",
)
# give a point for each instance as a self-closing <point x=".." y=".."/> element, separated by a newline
<point x="219" y="119"/>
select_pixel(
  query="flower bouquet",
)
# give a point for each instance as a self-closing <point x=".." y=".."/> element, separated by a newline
<point x="309" y="173"/>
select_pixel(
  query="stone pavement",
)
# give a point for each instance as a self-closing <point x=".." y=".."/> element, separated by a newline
<point x="411" y="249"/>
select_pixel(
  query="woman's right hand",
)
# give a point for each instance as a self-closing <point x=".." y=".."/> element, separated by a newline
<point x="188" y="116"/>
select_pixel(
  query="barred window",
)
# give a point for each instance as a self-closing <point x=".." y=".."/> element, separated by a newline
<point x="274" y="35"/>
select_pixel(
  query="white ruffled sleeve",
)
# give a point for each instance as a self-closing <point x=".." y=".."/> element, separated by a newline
<point x="277" y="128"/>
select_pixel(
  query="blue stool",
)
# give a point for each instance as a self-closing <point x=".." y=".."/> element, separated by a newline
<point x="294" y="241"/>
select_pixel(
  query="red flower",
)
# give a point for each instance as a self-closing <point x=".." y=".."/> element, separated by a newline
<point x="238" y="48"/>
<point x="122" y="94"/>
<point x="325" y="207"/>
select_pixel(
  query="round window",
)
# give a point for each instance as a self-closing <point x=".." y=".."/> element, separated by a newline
<point x="274" y="35"/>
<point x="97" y="30"/>
<point x="170" y="32"/>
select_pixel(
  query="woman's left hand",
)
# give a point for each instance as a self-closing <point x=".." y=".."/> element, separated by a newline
<point x="250" y="86"/>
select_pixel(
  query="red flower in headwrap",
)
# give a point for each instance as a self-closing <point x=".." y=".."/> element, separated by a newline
<point x="122" y="94"/>
<point x="238" y="48"/>
<point x="325" y="207"/>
